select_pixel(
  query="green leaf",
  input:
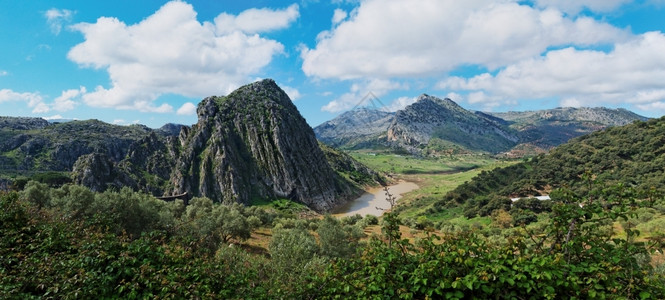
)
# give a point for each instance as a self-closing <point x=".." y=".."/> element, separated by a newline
<point x="455" y="284"/>
<point x="592" y="293"/>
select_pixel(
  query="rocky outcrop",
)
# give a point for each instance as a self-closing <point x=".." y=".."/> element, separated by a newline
<point x="600" y="115"/>
<point x="98" y="172"/>
<point x="13" y="142"/>
<point x="150" y="162"/>
<point x="170" y="129"/>
<point x="147" y="166"/>
<point x="19" y="123"/>
<point x="36" y="145"/>
<point x="254" y="143"/>
<point x="5" y="184"/>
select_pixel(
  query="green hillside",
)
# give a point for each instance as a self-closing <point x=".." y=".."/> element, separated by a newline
<point x="632" y="155"/>
<point x="30" y="145"/>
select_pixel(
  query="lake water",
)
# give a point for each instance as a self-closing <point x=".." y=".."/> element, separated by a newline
<point x="367" y="203"/>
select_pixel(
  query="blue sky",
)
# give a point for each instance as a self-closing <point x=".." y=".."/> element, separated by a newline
<point x="151" y="62"/>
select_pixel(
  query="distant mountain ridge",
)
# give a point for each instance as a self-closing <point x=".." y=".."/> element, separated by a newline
<point x="434" y="125"/>
<point x="34" y="144"/>
<point x="603" y="115"/>
<point x="552" y="127"/>
<point x="360" y="127"/>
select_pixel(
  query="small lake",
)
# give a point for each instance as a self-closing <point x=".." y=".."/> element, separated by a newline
<point x="367" y="203"/>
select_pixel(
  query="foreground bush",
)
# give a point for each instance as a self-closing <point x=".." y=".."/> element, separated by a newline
<point x="575" y="257"/>
<point x="44" y="257"/>
<point x="60" y="253"/>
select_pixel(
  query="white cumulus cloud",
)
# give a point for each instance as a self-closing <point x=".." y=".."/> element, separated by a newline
<point x="401" y="103"/>
<point x="187" y="109"/>
<point x="571" y="102"/>
<point x="171" y="52"/>
<point x="631" y="73"/>
<point x="338" y="16"/>
<point x="53" y="117"/>
<point x="125" y="123"/>
<point x="68" y="99"/>
<point x="257" y="20"/>
<point x="654" y="106"/>
<point x="397" y="38"/>
<point x="34" y="100"/>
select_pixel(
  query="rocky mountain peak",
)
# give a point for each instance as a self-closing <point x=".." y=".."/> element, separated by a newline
<point x="426" y="99"/>
<point x="423" y="97"/>
<point x="431" y="117"/>
<point x="254" y="143"/>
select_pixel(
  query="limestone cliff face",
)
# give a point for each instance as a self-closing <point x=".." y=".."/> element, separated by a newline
<point x="254" y="143"/>
<point x="97" y="172"/>
<point x="150" y="162"/>
<point x="147" y="166"/>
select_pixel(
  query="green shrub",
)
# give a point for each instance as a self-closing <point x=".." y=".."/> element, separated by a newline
<point x="291" y="249"/>
<point x="333" y="238"/>
<point x="37" y="193"/>
<point x="523" y="217"/>
<point x="351" y="220"/>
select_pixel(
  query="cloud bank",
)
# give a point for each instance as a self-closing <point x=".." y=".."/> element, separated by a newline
<point x="171" y="52"/>
<point x="529" y="50"/>
<point x="631" y="73"/>
<point x="394" y="38"/>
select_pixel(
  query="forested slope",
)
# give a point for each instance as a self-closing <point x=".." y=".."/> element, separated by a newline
<point x="632" y="155"/>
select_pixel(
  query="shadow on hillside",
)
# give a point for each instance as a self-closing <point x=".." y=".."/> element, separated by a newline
<point x="439" y="172"/>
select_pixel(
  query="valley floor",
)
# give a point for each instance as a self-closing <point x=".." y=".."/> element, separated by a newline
<point x="434" y="177"/>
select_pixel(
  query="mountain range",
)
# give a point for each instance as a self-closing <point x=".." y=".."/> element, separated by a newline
<point x="251" y="144"/>
<point x="434" y="126"/>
